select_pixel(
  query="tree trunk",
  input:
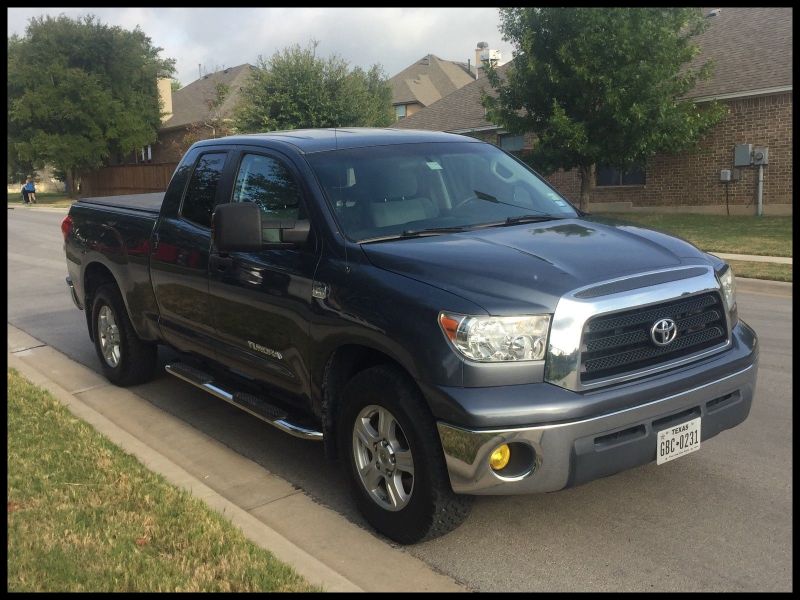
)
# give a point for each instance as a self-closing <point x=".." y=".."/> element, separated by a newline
<point x="586" y="172"/>
<point x="71" y="183"/>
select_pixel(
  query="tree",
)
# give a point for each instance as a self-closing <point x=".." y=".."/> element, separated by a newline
<point x="600" y="85"/>
<point x="18" y="169"/>
<point x="215" y="123"/>
<point x="80" y="91"/>
<point x="174" y="85"/>
<point x="296" y="89"/>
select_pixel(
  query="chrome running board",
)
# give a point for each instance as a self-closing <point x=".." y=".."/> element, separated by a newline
<point x="277" y="417"/>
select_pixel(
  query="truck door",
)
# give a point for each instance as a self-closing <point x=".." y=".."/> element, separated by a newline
<point x="179" y="260"/>
<point x="261" y="301"/>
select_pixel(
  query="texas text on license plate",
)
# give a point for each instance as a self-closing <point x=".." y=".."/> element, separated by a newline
<point x="678" y="440"/>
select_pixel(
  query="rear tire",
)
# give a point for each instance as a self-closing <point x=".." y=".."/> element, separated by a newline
<point x="125" y="359"/>
<point x="397" y="470"/>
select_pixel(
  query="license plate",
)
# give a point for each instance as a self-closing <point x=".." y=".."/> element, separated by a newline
<point x="678" y="441"/>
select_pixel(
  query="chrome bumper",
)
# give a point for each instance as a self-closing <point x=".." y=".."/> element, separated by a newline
<point x="567" y="454"/>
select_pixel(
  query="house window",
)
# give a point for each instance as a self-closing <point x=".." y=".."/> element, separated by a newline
<point x="400" y="111"/>
<point x="612" y="176"/>
<point x="512" y="143"/>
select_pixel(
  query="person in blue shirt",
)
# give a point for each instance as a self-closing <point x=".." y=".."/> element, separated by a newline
<point x="29" y="191"/>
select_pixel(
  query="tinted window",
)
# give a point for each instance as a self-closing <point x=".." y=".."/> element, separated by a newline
<point x="269" y="183"/>
<point x="202" y="189"/>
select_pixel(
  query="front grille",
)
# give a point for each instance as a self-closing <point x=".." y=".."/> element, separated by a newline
<point x="621" y="343"/>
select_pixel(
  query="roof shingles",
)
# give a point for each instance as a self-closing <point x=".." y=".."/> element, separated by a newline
<point x="428" y="80"/>
<point x="455" y="112"/>
<point x="189" y="104"/>
<point x="751" y="48"/>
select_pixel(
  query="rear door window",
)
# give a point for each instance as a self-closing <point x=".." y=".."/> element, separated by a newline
<point x="201" y="193"/>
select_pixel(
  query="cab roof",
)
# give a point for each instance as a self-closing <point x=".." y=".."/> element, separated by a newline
<point x="308" y="141"/>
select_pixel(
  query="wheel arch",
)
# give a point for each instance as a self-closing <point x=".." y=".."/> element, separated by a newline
<point x="94" y="275"/>
<point x="342" y="365"/>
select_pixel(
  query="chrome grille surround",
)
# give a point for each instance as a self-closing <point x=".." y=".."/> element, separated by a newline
<point x="563" y="360"/>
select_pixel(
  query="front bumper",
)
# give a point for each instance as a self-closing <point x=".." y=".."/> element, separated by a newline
<point x="569" y="453"/>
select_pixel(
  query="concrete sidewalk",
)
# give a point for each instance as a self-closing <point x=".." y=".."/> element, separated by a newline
<point x="42" y="207"/>
<point x="783" y="260"/>
<point x="319" y="543"/>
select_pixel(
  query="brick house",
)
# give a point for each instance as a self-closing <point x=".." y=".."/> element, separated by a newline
<point x="189" y="106"/>
<point x="185" y="108"/>
<point x="752" y="53"/>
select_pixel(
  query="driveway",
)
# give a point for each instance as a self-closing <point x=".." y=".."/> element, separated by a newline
<point x="718" y="519"/>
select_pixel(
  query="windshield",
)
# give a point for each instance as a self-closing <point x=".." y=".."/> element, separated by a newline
<point x="401" y="190"/>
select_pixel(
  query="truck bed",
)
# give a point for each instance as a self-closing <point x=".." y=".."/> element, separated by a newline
<point x="149" y="203"/>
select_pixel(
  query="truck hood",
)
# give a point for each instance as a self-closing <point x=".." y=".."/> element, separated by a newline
<point x="528" y="267"/>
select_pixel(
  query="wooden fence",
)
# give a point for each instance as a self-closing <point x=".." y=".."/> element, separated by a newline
<point x="126" y="179"/>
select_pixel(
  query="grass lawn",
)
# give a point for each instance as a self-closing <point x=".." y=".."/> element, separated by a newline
<point x="761" y="270"/>
<point x="766" y="236"/>
<point x="85" y="516"/>
<point x="53" y="199"/>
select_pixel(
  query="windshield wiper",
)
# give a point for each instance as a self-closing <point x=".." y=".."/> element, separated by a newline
<point x="519" y="219"/>
<point x="431" y="231"/>
<point x="511" y="220"/>
<point x="531" y="219"/>
<point x="412" y="233"/>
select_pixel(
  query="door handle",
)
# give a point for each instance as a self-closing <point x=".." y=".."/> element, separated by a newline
<point x="220" y="263"/>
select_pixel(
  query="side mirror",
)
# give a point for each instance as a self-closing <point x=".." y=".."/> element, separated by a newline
<point x="236" y="227"/>
<point x="287" y="231"/>
<point x="240" y="227"/>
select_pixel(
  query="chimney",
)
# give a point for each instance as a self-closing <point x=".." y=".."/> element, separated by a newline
<point x="478" y="64"/>
<point x="165" y="95"/>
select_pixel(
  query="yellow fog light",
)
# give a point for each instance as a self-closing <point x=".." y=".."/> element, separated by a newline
<point x="500" y="457"/>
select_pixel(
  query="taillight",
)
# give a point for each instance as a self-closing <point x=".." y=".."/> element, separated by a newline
<point x="66" y="226"/>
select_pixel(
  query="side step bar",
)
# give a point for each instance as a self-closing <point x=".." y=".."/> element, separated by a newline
<point x="254" y="405"/>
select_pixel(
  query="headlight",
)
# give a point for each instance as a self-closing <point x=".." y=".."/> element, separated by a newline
<point x="497" y="339"/>
<point x="728" y="283"/>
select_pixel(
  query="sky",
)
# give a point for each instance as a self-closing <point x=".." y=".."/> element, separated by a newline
<point x="226" y="37"/>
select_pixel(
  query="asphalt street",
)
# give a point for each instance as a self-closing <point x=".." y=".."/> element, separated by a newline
<point x="718" y="519"/>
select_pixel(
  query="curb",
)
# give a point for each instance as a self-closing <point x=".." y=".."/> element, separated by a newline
<point x="314" y="571"/>
<point x="318" y="542"/>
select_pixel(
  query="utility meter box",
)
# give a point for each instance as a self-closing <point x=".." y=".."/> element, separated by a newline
<point x="725" y="175"/>
<point x="742" y="155"/>
<point x="760" y="156"/>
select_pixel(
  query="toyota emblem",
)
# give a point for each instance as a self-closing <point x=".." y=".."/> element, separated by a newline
<point x="663" y="332"/>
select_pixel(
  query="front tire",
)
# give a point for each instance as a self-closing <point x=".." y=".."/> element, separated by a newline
<point x="124" y="358"/>
<point x="394" y="458"/>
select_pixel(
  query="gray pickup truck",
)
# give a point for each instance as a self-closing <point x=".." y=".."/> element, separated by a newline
<point x="425" y="305"/>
